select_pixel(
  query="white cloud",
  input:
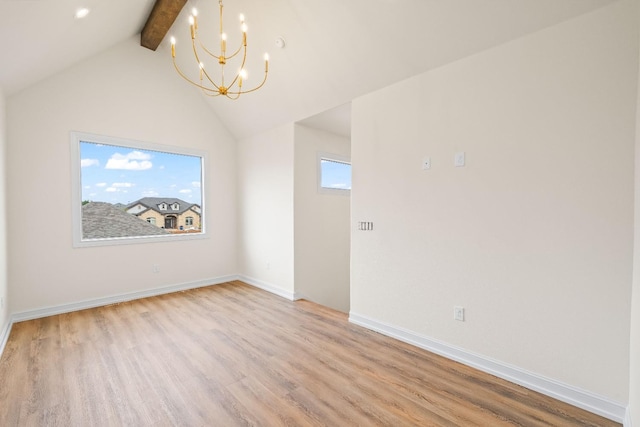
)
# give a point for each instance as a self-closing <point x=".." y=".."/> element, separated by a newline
<point x="185" y="191"/>
<point x="341" y="185"/>
<point x="150" y="193"/>
<point x="135" y="160"/>
<point x="122" y="185"/>
<point x="85" y="163"/>
<point x="101" y="184"/>
<point x="119" y="187"/>
<point x="196" y="184"/>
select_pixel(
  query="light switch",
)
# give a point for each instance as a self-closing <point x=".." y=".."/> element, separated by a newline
<point x="458" y="160"/>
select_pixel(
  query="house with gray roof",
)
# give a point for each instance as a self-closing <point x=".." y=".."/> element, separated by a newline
<point x="101" y="220"/>
<point x="167" y="212"/>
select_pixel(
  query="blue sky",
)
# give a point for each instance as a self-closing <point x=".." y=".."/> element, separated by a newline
<point x="336" y="174"/>
<point x="118" y="174"/>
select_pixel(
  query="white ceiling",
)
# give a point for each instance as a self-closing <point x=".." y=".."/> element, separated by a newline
<point x="335" y="50"/>
<point x="42" y="37"/>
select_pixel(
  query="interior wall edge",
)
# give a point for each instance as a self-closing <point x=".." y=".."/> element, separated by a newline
<point x="4" y="336"/>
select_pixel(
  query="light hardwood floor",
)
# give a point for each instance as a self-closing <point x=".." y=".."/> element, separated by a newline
<point x="231" y="355"/>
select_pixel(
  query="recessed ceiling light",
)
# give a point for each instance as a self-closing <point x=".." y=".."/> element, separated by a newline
<point x="81" y="13"/>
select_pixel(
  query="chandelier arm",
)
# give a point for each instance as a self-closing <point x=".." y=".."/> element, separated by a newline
<point x="254" y="89"/>
<point x="228" y="95"/>
<point x="244" y="59"/>
<point x="204" y="88"/>
<point x="202" y="69"/>
<point x="238" y="51"/>
<point x="217" y="88"/>
<point x="206" y="50"/>
<point x="213" y="94"/>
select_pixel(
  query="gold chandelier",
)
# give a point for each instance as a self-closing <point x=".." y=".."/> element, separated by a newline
<point x="232" y="87"/>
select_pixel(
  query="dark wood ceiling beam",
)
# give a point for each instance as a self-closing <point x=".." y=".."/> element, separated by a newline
<point x="161" y="18"/>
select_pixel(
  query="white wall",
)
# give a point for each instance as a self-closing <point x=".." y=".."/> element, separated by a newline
<point x="534" y="235"/>
<point x="4" y="291"/>
<point x="127" y="92"/>
<point x="265" y="209"/>
<point x="322" y="223"/>
<point x="634" y="355"/>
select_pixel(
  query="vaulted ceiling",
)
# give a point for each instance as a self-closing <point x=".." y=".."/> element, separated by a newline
<point x="335" y="50"/>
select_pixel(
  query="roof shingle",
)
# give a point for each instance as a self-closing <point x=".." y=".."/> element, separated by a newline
<point x="101" y="220"/>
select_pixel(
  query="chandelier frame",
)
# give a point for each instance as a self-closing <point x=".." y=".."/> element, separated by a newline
<point x="206" y="82"/>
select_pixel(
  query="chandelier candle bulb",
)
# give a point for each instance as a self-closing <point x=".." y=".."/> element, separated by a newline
<point x="194" y="14"/>
<point x="173" y="47"/>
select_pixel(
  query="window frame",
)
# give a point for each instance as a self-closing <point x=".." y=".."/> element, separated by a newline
<point x="332" y="158"/>
<point x="76" y="189"/>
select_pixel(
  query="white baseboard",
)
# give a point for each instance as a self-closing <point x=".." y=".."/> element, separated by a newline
<point x="98" y="302"/>
<point x="291" y="296"/>
<point x="627" y="418"/>
<point x="564" y="392"/>
<point x="129" y="296"/>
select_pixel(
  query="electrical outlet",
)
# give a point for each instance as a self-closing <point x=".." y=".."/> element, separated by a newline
<point x="458" y="313"/>
<point x="1" y="302"/>
<point x="155" y="268"/>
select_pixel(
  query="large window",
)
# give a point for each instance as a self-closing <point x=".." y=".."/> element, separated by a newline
<point x="128" y="191"/>
<point x="334" y="174"/>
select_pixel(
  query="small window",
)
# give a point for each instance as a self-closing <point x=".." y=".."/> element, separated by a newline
<point x="151" y="220"/>
<point x="334" y="174"/>
<point x="188" y="221"/>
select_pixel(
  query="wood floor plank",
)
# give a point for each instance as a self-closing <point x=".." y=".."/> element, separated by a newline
<point x="233" y="355"/>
